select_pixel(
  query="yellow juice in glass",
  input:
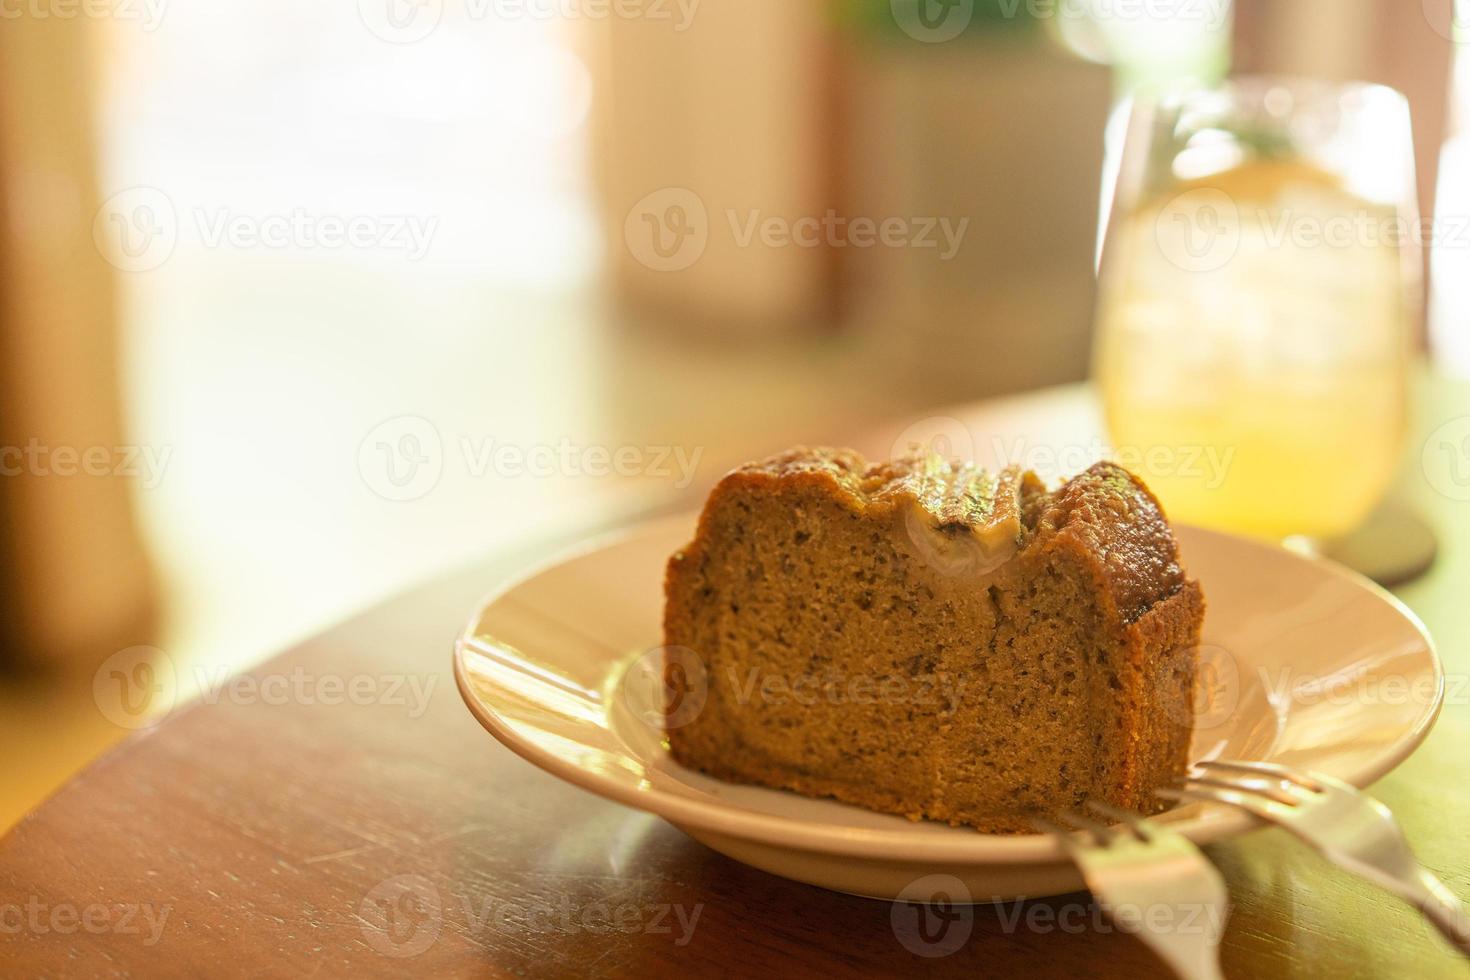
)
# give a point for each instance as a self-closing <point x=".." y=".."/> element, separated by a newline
<point x="1252" y="349"/>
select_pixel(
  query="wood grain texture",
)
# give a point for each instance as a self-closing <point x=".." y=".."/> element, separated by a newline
<point x="264" y="840"/>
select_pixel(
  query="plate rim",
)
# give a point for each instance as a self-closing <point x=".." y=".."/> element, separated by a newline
<point x="901" y="844"/>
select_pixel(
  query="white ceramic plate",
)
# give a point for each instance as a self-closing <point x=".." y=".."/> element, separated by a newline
<point x="1309" y="665"/>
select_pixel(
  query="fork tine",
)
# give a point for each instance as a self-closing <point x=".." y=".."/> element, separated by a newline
<point x="1101" y="833"/>
<point x="1132" y="821"/>
<point x="1266" y="769"/>
<point x="1252" y="804"/>
<point x="1190" y="795"/>
<point x="1275" y="793"/>
<point x="1204" y="794"/>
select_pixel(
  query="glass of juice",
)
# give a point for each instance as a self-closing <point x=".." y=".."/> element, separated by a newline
<point x="1259" y="286"/>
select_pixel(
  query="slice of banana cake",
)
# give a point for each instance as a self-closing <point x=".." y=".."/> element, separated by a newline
<point x="925" y="638"/>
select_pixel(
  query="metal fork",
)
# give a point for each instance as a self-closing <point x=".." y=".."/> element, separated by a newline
<point x="1141" y="866"/>
<point x="1348" y="827"/>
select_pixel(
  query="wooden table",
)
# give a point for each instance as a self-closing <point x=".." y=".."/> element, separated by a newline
<point x="266" y="836"/>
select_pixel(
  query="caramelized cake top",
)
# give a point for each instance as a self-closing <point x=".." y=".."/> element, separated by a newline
<point x="1105" y="511"/>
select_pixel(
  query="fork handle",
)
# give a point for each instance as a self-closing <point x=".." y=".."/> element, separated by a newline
<point x="1441" y="907"/>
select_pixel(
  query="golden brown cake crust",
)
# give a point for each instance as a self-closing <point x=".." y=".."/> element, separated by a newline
<point x="1083" y="690"/>
<point x="952" y="492"/>
<point x="1109" y="515"/>
<point x="1105" y="512"/>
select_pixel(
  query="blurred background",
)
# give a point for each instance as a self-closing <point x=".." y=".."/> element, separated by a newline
<point x="304" y="302"/>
